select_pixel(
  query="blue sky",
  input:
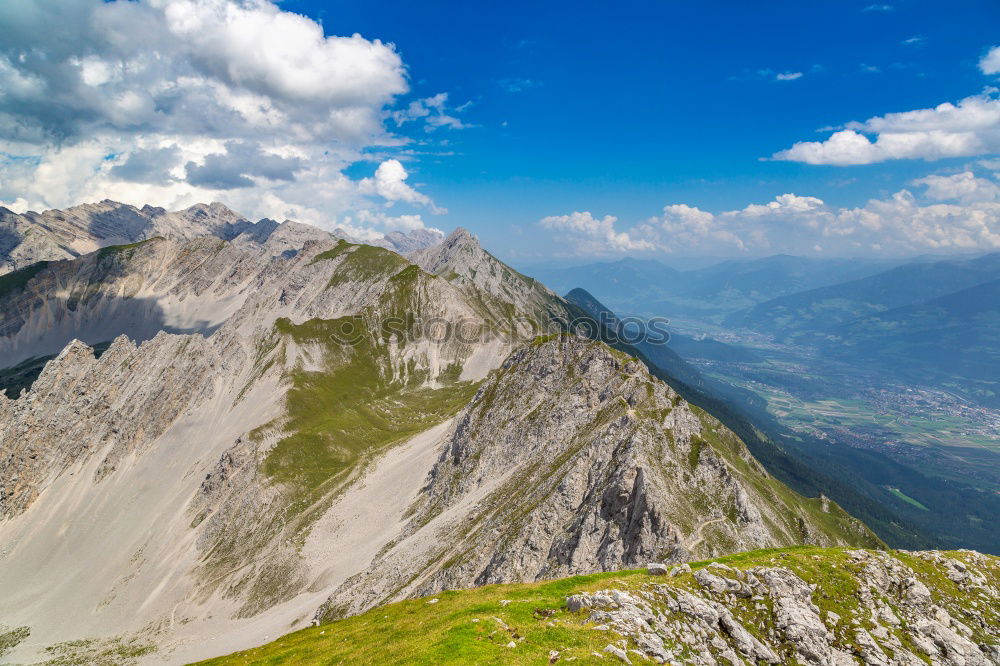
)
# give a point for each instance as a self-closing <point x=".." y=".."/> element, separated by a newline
<point x="559" y="129"/>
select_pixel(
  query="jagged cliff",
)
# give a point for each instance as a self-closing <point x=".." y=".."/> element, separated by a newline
<point x="287" y="423"/>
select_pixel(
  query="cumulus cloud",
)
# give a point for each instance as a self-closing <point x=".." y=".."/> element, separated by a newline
<point x="234" y="167"/>
<point x="788" y="76"/>
<point x="971" y="127"/>
<point x="965" y="187"/>
<point x="148" y="165"/>
<point x="990" y="63"/>
<point x="177" y="101"/>
<point x="956" y="212"/>
<point x="591" y="235"/>
<point x="389" y="182"/>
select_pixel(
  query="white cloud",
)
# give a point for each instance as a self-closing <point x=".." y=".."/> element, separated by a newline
<point x="788" y="76"/>
<point x="990" y="63"/>
<point x="389" y="182"/>
<point x="389" y="222"/>
<point x="689" y="226"/>
<point x="591" y="235"/>
<point x="433" y="111"/>
<point x="172" y="102"/>
<point x="959" y="212"/>
<point x="971" y="127"/>
<point x="878" y="8"/>
<point x="964" y="187"/>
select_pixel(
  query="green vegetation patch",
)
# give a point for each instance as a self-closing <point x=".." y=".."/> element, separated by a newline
<point x="119" y="651"/>
<point x="356" y="405"/>
<point x="11" y="638"/>
<point x="15" y="281"/>
<point x="125" y="252"/>
<point x="906" y="498"/>
<point x="361" y="263"/>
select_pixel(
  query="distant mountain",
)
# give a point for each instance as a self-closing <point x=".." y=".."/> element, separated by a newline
<point x="659" y="351"/>
<point x="618" y="282"/>
<point x="818" y="310"/>
<point x="64" y="234"/>
<point x="947" y="339"/>
<point x="648" y="287"/>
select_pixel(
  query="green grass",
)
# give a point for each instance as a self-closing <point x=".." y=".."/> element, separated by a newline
<point x="361" y="263"/>
<point x="906" y="498"/>
<point x="474" y="626"/>
<point x="351" y="408"/>
<point x="125" y="251"/>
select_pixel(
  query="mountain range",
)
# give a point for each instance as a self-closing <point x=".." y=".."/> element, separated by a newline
<point x="31" y="237"/>
<point x="648" y="287"/>
<point x="227" y="437"/>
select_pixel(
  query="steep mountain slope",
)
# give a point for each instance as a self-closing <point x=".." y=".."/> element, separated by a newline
<point x="804" y="606"/>
<point x="286" y="429"/>
<point x="572" y="458"/>
<point x="803" y="466"/>
<point x="798" y="315"/>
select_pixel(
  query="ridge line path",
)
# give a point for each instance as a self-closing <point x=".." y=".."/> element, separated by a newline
<point x="698" y="533"/>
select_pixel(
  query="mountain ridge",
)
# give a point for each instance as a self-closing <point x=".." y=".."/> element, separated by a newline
<point x="276" y="428"/>
<point x="63" y="234"/>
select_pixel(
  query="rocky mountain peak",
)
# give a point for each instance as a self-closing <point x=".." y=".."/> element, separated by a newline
<point x="215" y="210"/>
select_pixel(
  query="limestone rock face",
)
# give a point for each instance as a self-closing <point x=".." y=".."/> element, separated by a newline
<point x="460" y="259"/>
<point x="790" y="615"/>
<point x="572" y="458"/>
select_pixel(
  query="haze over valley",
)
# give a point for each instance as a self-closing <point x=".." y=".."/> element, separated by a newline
<point x="443" y="333"/>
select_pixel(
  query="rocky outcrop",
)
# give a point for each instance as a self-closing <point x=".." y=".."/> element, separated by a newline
<point x="835" y="608"/>
<point x="572" y="458"/>
<point x="461" y="260"/>
<point x="82" y="406"/>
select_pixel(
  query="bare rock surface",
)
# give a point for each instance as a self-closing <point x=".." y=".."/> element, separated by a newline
<point x="833" y="608"/>
<point x="571" y="458"/>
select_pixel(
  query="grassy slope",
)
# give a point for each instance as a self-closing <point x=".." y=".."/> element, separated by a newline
<point x="475" y="626"/>
<point x="357" y="404"/>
